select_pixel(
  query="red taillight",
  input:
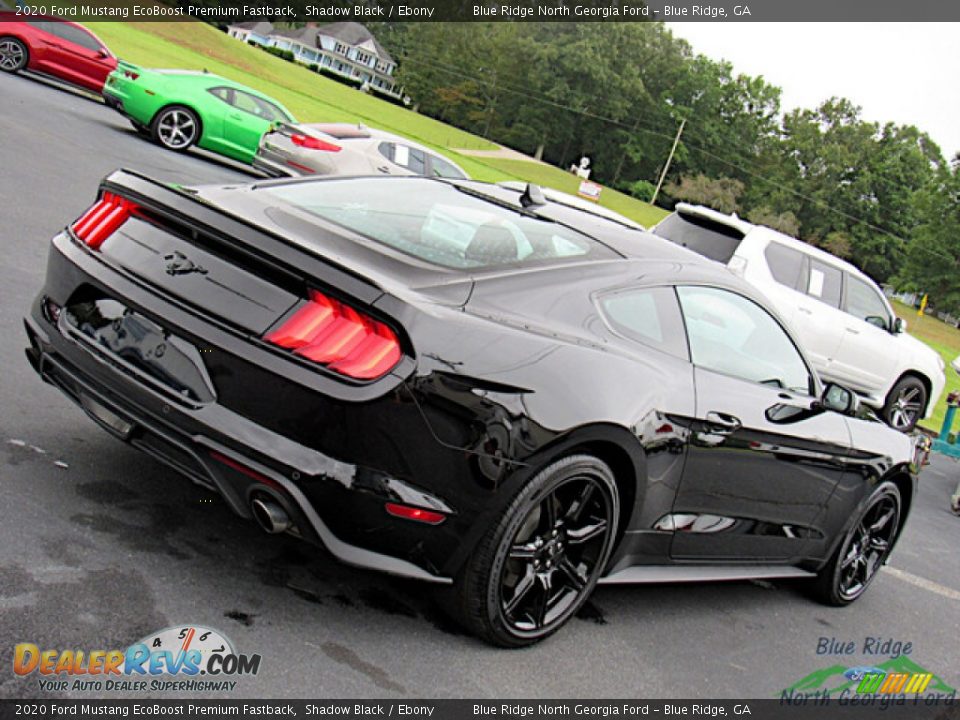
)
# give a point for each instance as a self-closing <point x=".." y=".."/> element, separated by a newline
<point x="413" y="513"/>
<point x="248" y="471"/>
<point x="312" y="143"/>
<point x="102" y="220"/>
<point x="130" y="74"/>
<point x="336" y="335"/>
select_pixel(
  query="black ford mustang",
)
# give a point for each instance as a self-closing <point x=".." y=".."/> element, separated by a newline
<point x="468" y="385"/>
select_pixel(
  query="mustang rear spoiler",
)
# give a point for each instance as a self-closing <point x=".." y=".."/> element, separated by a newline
<point x="183" y="207"/>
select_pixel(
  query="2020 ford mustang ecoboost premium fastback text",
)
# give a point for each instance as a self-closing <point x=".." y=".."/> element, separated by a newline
<point x="469" y="385"/>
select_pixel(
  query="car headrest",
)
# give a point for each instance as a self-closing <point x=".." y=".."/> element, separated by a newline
<point x="492" y="245"/>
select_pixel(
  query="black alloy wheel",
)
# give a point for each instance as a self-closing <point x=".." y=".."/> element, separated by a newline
<point x="13" y="54"/>
<point x="864" y="549"/>
<point x="537" y="567"/>
<point x="905" y="404"/>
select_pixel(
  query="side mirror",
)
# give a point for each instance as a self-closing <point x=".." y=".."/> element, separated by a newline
<point x="840" y="399"/>
<point x="103" y="53"/>
<point x="899" y="326"/>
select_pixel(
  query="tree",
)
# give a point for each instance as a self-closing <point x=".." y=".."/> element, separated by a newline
<point x="720" y="194"/>
<point x="618" y="93"/>
<point x="932" y="261"/>
<point x="841" y="174"/>
<point x="785" y="222"/>
<point x="837" y="243"/>
<point x="732" y="120"/>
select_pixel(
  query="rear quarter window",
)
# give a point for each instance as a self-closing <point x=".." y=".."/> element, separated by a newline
<point x="441" y="168"/>
<point x="649" y="316"/>
<point x="785" y="263"/>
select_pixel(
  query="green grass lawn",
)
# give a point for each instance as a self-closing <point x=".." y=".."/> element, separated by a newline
<point x="314" y="98"/>
<point x="943" y="338"/>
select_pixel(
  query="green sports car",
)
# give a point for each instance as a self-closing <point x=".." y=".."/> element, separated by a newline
<point x="180" y="108"/>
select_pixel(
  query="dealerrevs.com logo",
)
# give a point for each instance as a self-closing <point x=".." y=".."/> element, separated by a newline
<point x="180" y="659"/>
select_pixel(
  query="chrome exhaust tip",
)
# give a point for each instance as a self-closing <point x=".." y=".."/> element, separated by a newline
<point x="270" y="515"/>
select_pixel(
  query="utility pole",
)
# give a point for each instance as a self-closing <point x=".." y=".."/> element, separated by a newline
<point x="666" y="167"/>
<point x="493" y="106"/>
<point x="623" y="155"/>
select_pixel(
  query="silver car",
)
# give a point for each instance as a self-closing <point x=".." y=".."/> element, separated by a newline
<point x="345" y="149"/>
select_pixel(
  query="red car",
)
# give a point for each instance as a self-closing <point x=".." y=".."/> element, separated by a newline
<point x="48" y="45"/>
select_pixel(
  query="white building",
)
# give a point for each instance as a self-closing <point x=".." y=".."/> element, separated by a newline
<point x="347" y="49"/>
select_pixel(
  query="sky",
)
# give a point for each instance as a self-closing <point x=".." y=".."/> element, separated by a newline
<point x="907" y="73"/>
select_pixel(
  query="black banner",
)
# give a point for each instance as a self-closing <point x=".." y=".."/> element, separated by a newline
<point x="874" y="706"/>
<point x="229" y="12"/>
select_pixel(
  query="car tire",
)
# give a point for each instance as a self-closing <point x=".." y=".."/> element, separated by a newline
<point x="14" y="55"/>
<point x="541" y="560"/>
<point x="905" y="404"/>
<point x="176" y="128"/>
<point x="863" y="550"/>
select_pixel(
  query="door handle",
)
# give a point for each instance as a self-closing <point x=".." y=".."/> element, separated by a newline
<point x="807" y="311"/>
<point x="383" y="169"/>
<point x="722" y="423"/>
<point x="853" y="331"/>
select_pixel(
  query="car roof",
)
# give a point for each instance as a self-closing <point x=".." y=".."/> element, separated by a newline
<point x="192" y="73"/>
<point x="766" y="233"/>
<point x="209" y="79"/>
<point x="212" y="80"/>
<point x="12" y="17"/>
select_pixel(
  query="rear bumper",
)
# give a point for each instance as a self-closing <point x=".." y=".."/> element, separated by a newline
<point x="337" y="504"/>
<point x="272" y="168"/>
<point x="209" y="462"/>
<point x="113" y="102"/>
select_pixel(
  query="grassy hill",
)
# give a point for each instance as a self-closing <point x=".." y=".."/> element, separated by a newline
<point x="314" y="98"/>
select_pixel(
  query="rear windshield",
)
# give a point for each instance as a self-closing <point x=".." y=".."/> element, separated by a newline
<point x="439" y="223"/>
<point x="712" y="240"/>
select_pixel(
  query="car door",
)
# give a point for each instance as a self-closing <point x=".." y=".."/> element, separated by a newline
<point x="70" y="53"/>
<point x="84" y="60"/>
<point x="818" y="319"/>
<point x="48" y="49"/>
<point x="763" y="456"/>
<point x="867" y="359"/>
<point x="244" y="122"/>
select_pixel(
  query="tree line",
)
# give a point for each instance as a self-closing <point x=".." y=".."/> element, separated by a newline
<point x="880" y="195"/>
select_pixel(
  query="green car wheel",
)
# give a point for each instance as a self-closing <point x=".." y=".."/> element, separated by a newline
<point x="176" y="128"/>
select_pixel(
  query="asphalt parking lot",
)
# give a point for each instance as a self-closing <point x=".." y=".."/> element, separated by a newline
<point x="100" y="545"/>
